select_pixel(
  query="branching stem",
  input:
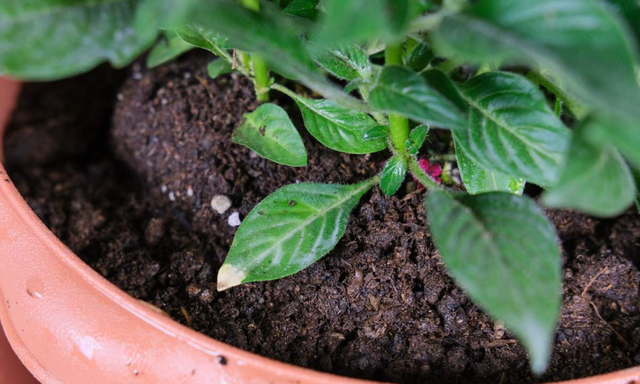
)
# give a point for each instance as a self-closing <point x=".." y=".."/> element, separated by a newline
<point x="398" y="125"/>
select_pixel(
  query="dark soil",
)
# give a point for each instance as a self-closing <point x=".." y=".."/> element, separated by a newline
<point x="380" y="306"/>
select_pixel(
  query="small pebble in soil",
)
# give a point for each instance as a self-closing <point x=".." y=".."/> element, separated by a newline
<point x="220" y="203"/>
<point x="234" y="219"/>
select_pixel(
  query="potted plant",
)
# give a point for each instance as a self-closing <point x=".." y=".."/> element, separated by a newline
<point x="509" y="93"/>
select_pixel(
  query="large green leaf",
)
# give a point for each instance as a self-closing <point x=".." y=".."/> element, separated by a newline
<point x="581" y="40"/>
<point x="393" y="175"/>
<point x="168" y="49"/>
<point x="429" y="99"/>
<point x="512" y="130"/>
<point x="51" y="39"/>
<point x="288" y="231"/>
<point x="479" y="180"/>
<point x="347" y="62"/>
<point x="502" y="250"/>
<point x="269" y="132"/>
<point x="596" y="179"/>
<point x="339" y="128"/>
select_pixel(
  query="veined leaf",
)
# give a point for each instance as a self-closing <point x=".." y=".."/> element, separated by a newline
<point x="595" y="180"/>
<point x="430" y="99"/>
<point x="218" y="67"/>
<point x="52" y="39"/>
<point x="393" y="175"/>
<point x="502" y="250"/>
<point x="339" y="128"/>
<point x="348" y="62"/>
<point x="203" y="38"/>
<point x="479" y="180"/>
<point x="270" y="133"/>
<point x="167" y="50"/>
<point x="288" y="231"/>
<point x="581" y="40"/>
<point x="512" y="130"/>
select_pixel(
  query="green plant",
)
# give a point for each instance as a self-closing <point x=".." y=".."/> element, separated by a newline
<point x="496" y="74"/>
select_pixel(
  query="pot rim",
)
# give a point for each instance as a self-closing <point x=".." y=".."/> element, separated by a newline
<point x="9" y="91"/>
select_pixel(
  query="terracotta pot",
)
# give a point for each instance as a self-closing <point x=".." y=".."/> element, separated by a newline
<point x="69" y="325"/>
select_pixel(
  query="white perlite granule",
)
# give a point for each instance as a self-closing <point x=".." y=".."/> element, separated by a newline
<point x="234" y="219"/>
<point x="220" y="203"/>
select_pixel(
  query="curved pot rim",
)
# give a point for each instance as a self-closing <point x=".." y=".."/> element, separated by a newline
<point x="9" y="90"/>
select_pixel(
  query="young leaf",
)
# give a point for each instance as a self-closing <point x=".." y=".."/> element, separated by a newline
<point x="479" y="180"/>
<point x="218" y="67"/>
<point x="339" y="128"/>
<point x="418" y="135"/>
<point x="502" y="250"/>
<point x="167" y="50"/>
<point x="270" y="133"/>
<point x="288" y="231"/>
<point x="581" y="40"/>
<point x="595" y="180"/>
<point x="393" y="175"/>
<point x="203" y="38"/>
<point x="512" y="130"/>
<point x="304" y="9"/>
<point x="47" y="40"/>
<point x="347" y="62"/>
<point x="419" y="57"/>
<point x="430" y="99"/>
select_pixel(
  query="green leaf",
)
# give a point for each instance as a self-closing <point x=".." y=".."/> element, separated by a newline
<point x="304" y="9"/>
<point x="347" y="62"/>
<point x="378" y="132"/>
<point x="393" y="175"/>
<point x="339" y="128"/>
<point x="595" y="180"/>
<point x="636" y="176"/>
<point x="52" y="39"/>
<point x="203" y="38"/>
<point x="353" y="21"/>
<point x="167" y="50"/>
<point x="625" y="135"/>
<point x="429" y="99"/>
<point x="630" y="10"/>
<point x="288" y="231"/>
<point x="479" y="180"/>
<point x="270" y="133"/>
<point x="503" y="251"/>
<point x="419" y="57"/>
<point x="581" y="40"/>
<point x="218" y="67"/>
<point x="512" y="130"/>
<point x="418" y="135"/>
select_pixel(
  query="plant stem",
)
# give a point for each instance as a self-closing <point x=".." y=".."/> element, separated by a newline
<point x="260" y="69"/>
<point x="398" y="125"/>
<point x="569" y="101"/>
<point x="419" y="174"/>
